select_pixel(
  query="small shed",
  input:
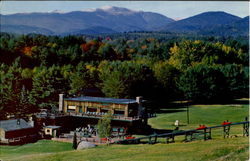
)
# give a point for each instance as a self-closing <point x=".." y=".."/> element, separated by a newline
<point x="16" y="130"/>
<point x="52" y="131"/>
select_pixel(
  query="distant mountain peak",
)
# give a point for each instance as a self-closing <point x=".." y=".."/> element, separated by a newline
<point x="216" y="13"/>
<point x="116" y="9"/>
<point x="57" y="11"/>
<point x="212" y="22"/>
<point x="111" y="9"/>
<point x="107" y="8"/>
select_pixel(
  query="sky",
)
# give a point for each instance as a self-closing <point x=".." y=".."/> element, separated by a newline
<point x="172" y="9"/>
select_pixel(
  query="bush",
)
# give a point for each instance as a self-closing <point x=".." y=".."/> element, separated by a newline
<point x="104" y="126"/>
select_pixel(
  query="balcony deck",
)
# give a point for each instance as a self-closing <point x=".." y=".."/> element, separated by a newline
<point x="98" y="116"/>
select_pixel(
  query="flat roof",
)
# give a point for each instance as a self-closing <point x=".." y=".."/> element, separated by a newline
<point x="53" y="127"/>
<point x="102" y="100"/>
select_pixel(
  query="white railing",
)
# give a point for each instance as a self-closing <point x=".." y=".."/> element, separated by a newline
<point x="98" y="115"/>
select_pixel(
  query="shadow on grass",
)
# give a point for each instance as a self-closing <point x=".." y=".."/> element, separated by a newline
<point x="160" y="131"/>
<point x="169" y="111"/>
<point x="181" y="106"/>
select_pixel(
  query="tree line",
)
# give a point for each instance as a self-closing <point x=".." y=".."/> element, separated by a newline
<point x="36" y="68"/>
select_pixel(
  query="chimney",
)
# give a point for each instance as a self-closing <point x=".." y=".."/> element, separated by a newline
<point x="140" y="108"/>
<point x="142" y="113"/>
<point x="31" y="122"/>
<point x="61" y="100"/>
<point x="18" y="121"/>
<point x="139" y="99"/>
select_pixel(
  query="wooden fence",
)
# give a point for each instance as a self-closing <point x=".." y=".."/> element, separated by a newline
<point x="189" y="135"/>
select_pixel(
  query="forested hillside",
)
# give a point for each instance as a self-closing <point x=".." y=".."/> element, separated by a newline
<point x="36" y="68"/>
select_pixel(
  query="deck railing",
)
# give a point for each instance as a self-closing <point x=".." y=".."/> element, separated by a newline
<point x="98" y="115"/>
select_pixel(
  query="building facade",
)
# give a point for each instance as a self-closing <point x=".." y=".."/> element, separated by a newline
<point x="100" y="106"/>
<point x="127" y="114"/>
<point x="52" y="131"/>
<point x="16" y="131"/>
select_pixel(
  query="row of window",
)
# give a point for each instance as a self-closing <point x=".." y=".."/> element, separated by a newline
<point x="93" y="109"/>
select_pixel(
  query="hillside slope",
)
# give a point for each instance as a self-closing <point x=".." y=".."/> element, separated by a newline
<point x="210" y="23"/>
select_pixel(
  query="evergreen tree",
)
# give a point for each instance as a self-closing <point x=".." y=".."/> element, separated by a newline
<point x="14" y="98"/>
<point x="47" y="84"/>
<point x="85" y="76"/>
<point x="125" y="79"/>
<point x="74" y="146"/>
<point x="202" y="83"/>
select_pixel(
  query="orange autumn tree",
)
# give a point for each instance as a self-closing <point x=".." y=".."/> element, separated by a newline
<point x="27" y="51"/>
<point x="91" y="44"/>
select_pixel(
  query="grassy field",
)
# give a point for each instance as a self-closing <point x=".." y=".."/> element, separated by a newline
<point x="230" y="149"/>
<point x="33" y="149"/>
<point x="235" y="148"/>
<point x="209" y="115"/>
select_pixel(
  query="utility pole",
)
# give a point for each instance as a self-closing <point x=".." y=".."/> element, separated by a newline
<point x="187" y="113"/>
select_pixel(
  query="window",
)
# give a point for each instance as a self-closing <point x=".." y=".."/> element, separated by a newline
<point x="119" y="112"/>
<point x="104" y="110"/>
<point x="47" y="131"/>
<point x="71" y="108"/>
<point x="92" y="109"/>
<point x="80" y="109"/>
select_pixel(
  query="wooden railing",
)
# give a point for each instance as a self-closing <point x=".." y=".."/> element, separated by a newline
<point x="189" y="134"/>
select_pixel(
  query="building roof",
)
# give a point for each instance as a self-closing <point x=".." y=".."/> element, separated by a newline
<point x="52" y="127"/>
<point x="11" y="125"/>
<point x="102" y="100"/>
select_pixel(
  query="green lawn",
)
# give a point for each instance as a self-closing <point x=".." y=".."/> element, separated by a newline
<point x="34" y="149"/>
<point x="209" y="115"/>
<point x="229" y="149"/>
<point x="232" y="149"/>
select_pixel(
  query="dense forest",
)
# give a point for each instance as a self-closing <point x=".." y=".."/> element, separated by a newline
<point x="34" y="68"/>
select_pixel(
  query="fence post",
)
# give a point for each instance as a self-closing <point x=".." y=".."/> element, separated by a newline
<point x="167" y="139"/>
<point x="210" y="134"/>
<point x="149" y="140"/>
<point x="246" y="127"/>
<point x="173" y="138"/>
<point x="186" y="136"/>
<point x="226" y="130"/>
<point x="205" y="134"/>
<point x="191" y="136"/>
<point x="170" y="137"/>
<point x="155" y="138"/>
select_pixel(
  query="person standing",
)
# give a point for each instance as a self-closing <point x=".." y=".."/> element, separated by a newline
<point x="176" y="124"/>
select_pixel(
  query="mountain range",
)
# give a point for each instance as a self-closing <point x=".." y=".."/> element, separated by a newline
<point x="116" y="19"/>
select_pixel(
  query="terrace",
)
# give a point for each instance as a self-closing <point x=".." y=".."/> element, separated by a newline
<point x="98" y="116"/>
